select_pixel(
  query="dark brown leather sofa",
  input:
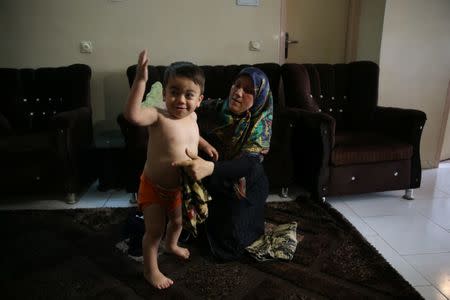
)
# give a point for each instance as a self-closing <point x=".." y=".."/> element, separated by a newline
<point x="345" y="143"/>
<point x="330" y="137"/>
<point x="278" y="163"/>
<point x="45" y="130"/>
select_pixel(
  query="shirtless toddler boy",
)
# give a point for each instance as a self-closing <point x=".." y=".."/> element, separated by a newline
<point x="173" y="132"/>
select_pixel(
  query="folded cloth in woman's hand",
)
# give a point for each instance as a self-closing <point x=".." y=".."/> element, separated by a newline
<point x="280" y="243"/>
<point x="194" y="207"/>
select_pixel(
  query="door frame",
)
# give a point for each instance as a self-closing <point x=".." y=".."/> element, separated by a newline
<point x="283" y="28"/>
<point x="443" y="127"/>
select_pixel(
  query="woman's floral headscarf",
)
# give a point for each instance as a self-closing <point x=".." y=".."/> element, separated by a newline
<point x="252" y="129"/>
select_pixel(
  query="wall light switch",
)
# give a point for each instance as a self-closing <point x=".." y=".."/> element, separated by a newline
<point x="86" y="47"/>
<point x="254" y="46"/>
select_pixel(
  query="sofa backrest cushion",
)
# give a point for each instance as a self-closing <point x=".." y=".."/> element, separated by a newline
<point x="31" y="97"/>
<point x="218" y="78"/>
<point x="347" y="92"/>
<point x="298" y="87"/>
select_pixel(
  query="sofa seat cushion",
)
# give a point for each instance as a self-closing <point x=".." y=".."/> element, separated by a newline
<point x="368" y="147"/>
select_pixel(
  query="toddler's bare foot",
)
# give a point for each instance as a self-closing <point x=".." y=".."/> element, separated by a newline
<point x="158" y="280"/>
<point x="178" y="251"/>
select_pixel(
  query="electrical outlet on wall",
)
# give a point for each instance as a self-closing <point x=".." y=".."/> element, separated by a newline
<point x="254" y="46"/>
<point x="86" y="47"/>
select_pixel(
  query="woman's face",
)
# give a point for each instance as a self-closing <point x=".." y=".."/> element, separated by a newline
<point x="242" y="95"/>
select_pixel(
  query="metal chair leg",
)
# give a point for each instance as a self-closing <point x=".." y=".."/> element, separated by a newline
<point x="409" y="194"/>
<point x="284" y="192"/>
<point x="133" y="198"/>
<point x="71" y="198"/>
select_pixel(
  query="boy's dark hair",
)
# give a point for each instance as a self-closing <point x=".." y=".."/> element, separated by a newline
<point x="187" y="70"/>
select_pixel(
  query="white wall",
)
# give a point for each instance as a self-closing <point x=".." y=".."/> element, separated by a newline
<point x="370" y="30"/>
<point x="36" y="33"/>
<point x="415" y="63"/>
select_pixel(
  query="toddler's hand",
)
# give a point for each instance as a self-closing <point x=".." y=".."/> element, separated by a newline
<point x="211" y="151"/>
<point x="141" y="71"/>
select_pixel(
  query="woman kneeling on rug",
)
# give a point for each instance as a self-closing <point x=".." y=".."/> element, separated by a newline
<point x="239" y="129"/>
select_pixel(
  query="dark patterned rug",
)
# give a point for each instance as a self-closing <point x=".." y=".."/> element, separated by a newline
<point x="71" y="254"/>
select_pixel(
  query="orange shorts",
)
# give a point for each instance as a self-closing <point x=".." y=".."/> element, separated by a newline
<point x="150" y="193"/>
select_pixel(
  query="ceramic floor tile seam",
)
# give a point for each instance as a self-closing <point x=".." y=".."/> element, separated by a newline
<point x="439" y="293"/>
<point x="428" y="279"/>
<point x="394" y="250"/>
<point x="107" y="199"/>
<point x="421" y="274"/>
<point x="399" y="255"/>
<point x="361" y="219"/>
<point x="387" y="243"/>
<point x="434" y="253"/>
<point x="432" y="221"/>
<point x="423" y="285"/>
<point x="447" y="192"/>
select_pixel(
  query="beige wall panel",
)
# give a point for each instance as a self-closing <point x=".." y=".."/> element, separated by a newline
<point x="36" y="33"/>
<point x="415" y="63"/>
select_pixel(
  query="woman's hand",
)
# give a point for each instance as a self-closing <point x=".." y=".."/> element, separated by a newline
<point x="196" y="167"/>
<point x="141" y="71"/>
<point x="208" y="149"/>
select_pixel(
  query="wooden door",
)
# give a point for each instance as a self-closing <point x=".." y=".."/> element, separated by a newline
<point x="318" y="26"/>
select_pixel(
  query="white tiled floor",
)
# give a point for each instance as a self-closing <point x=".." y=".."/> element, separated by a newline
<point x="413" y="236"/>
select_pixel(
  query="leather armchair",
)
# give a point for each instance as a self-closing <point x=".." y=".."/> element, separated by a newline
<point x="345" y="143"/>
<point x="45" y="130"/>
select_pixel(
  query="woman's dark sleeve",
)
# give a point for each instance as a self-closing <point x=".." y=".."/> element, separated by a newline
<point x="235" y="168"/>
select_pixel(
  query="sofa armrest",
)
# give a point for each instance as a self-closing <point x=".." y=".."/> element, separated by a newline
<point x="279" y="162"/>
<point x="405" y="124"/>
<point x="316" y="122"/>
<point x="134" y="136"/>
<point x="70" y="118"/>
<point x="313" y="141"/>
<point x="76" y="124"/>
<point x="5" y="126"/>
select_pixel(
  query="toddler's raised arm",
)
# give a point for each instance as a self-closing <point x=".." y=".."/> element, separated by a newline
<point x="134" y="112"/>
